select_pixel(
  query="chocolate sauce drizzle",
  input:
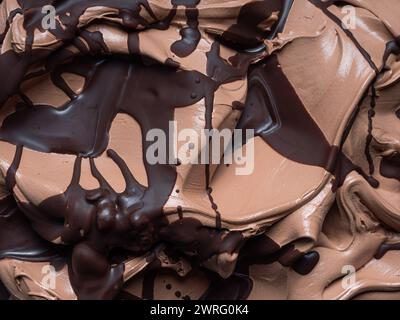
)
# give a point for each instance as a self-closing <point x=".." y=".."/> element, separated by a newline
<point x="190" y="35"/>
<point x="324" y="6"/>
<point x="392" y="47"/>
<point x="371" y="115"/>
<point x="385" y="248"/>
<point x="12" y="170"/>
<point x="246" y="33"/>
<point x="17" y="238"/>
<point x="96" y="220"/>
<point x="89" y="224"/>
<point x="390" y="166"/>
<point x="277" y="114"/>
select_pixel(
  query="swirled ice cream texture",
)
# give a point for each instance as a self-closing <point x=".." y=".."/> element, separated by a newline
<point x="323" y="197"/>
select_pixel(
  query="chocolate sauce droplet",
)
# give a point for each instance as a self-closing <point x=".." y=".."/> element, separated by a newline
<point x="307" y="263"/>
<point x="390" y="166"/>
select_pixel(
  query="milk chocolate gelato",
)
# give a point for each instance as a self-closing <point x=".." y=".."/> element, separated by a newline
<point x="85" y="213"/>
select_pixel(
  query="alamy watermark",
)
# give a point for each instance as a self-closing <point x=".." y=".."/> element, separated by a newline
<point x="349" y="20"/>
<point x="349" y="280"/>
<point x="207" y="146"/>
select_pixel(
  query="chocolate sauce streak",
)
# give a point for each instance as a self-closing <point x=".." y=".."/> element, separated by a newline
<point x="324" y="6"/>
<point x="102" y="218"/>
<point x="190" y="35"/>
<point x="9" y="21"/>
<point x="280" y="24"/>
<point x="398" y="113"/>
<point x="91" y="275"/>
<point x="236" y="287"/>
<point x="221" y="71"/>
<point x="392" y="47"/>
<point x="276" y="113"/>
<point x="371" y="115"/>
<point x="94" y="221"/>
<point x="4" y="294"/>
<point x="148" y="285"/>
<point x="90" y="224"/>
<point x="12" y="170"/>
<point x="390" y="166"/>
<point x="385" y="248"/>
<point x="124" y="295"/>
<point x="258" y="250"/>
<point x="17" y="238"/>
<point x="68" y="12"/>
<point x="214" y="206"/>
<point x="15" y="66"/>
<point x="247" y="32"/>
<point x="307" y="263"/>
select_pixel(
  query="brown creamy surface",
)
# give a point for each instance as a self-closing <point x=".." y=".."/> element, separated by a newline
<point x="298" y="227"/>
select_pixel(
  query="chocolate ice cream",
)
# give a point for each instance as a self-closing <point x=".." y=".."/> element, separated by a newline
<point x="84" y="212"/>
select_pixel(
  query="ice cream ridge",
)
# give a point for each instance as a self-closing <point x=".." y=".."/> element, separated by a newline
<point x="313" y="212"/>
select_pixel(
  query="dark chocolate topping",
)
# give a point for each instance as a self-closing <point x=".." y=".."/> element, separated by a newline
<point x="90" y="224"/>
